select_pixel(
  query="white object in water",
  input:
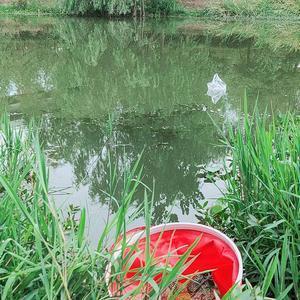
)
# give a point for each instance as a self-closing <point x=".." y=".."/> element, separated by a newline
<point x="12" y="89"/>
<point x="216" y="89"/>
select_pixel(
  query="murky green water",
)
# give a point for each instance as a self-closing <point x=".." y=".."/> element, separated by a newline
<point x="115" y="88"/>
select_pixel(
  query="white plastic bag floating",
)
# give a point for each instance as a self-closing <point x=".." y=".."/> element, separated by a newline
<point x="216" y="89"/>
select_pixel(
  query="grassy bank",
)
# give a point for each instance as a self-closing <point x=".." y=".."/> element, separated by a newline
<point x="44" y="255"/>
<point x="251" y="8"/>
<point x="133" y="8"/>
<point x="262" y="207"/>
<point x="30" y="9"/>
<point x="38" y="258"/>
<point x="213" y="9"/>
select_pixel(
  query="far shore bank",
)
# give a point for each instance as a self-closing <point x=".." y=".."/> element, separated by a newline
<point x="214" y="9"/>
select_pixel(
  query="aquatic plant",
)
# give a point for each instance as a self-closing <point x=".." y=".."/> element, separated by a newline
<point x="261" y="209"/>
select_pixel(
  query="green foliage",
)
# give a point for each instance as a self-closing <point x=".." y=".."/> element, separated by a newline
<point x="253" y="8"/>
<point x="43" y="256"/>
<point x="261" y="209"/>
<point x="36" y="259"/>
<point x="20" y="4"/>
<point x="24" y="7"/>
<point x="119" y="7"/>
<point x="162" y="6"/>
<point x="242" y="7"/>
<point x="245" y="292"/>
<point x="214" y="9"/>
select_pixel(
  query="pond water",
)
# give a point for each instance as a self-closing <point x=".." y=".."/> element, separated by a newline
<point x="107" y="90"/>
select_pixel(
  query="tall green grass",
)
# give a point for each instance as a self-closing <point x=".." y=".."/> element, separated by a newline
<point x="31" y="7"/>
<point x="252" y="8"/>
<point x="39" y="259"/>
<point x="120" y="7"/>
<point x="261" y="209"/>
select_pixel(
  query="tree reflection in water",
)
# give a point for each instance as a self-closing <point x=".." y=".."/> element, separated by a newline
<point x="152" y="77"/>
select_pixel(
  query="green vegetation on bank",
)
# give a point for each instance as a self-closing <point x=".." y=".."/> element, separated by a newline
<point x="30" y="8"/>
<point x="255" y="8"/>
<point x="213" y="9"/>
<point x="247" y="8"/>
<point x="41" y="257"/>
<point x="138" y="8"/>
<point x="261" y="209"/>
<point x="45" y="255"/>
<point x="121" y="7"/>
<point x="37" y="258"/>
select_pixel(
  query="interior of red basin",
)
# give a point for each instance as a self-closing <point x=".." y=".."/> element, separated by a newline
<point x="210" y="253"/>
